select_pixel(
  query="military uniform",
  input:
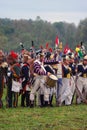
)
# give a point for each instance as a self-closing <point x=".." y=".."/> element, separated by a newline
<point x="40" y="74"/>
<point x="13" y="79"/>
<point x="65" y="91"/>
<point x="73" y="67"/>
<point x="25" y="85"/>
<point x="3" y="66"/>
<point x="82" y="80"/>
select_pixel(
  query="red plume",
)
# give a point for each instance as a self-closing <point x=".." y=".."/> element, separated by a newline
<point x="14" y="55"/>
<point x="41" y="47"/>
<point x="50" y="49"/>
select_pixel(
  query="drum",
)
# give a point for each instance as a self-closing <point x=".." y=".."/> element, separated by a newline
<point x="51" y="80"/>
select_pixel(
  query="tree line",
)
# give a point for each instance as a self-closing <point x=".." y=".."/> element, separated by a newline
<point x="12" y="32"/>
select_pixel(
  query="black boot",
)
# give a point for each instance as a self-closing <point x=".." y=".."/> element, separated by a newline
<point x="50" y="102"/>
<point x="27" y="98"/>
<point x="42" y="100"/>
<point x="46" y="104"/>
<point x="23" y="100"/>
<point x="31" y="104"/>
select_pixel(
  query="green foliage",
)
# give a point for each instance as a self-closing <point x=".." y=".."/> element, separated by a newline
<point x="66" y="33"/>
<point x="12" y="32"/>
<point x="82" y="32"/>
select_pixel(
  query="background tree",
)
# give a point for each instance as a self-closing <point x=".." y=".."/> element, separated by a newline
<point x="12" y="32"/>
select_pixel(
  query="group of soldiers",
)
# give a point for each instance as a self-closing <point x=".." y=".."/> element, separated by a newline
<point x="38" y="77"/>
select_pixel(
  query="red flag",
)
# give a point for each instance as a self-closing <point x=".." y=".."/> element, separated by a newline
<point x="47" y="45"/>
<point x="56" y="41"/>
<point x="66" y="49"/>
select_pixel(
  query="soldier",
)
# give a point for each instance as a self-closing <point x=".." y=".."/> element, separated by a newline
<point x="40" y="73"/>
<point x="82" y="80"/>
<point x="73" y="67"/>
<point x="3" y="65"/>
<point x="25" y="71"/>
<point x="13" y="79"/>
<point x="51" y="65"/>
<point x="65" y="91"/>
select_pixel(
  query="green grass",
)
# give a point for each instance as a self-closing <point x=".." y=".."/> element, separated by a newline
<point x="57" y="118"/>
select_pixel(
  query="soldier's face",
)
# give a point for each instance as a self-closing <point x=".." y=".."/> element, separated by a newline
<point x="41" y="58"/>
<point x="71" y="60"/>
<point x="85" y="62"/>
<point x="25" y="59"/>
<point x="67" y="61"/>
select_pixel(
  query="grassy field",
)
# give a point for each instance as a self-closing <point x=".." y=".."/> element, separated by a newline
<point x="56" y="118"/>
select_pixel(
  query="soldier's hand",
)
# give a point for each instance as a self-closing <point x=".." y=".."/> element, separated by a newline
<point x="48" y="73"/>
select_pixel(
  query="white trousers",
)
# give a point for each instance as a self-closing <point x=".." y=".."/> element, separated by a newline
<point x="65" y="91"/>
<point x="40" y="84"/>
<point x="81" y="84"/>
<point x="72" y="87"/>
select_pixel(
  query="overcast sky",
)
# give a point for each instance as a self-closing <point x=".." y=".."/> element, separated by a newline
<point x="71" y="11"/>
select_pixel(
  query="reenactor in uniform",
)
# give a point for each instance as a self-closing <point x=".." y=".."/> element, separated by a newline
<point x="13" y="79"/>
<point x="82" y="80"/>
<point x="65" y="91"/>
<point x="40" y="73"/>
<point x="25" y="75"/>
<point x="3" y="66"/>
<point x="73" y="67"/>
<point x="51" y="66"/>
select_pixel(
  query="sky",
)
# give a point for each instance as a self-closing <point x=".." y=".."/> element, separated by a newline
<point x="71" y="11"/>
